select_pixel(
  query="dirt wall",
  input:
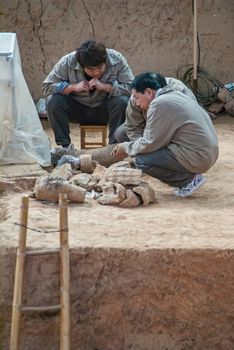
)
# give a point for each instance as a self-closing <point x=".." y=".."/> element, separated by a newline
<point x="166" y="299"/>
<point x="152" y="34"/>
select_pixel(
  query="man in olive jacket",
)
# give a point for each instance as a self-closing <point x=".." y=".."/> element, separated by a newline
<point x="178" y="142"/>
<point x="91" y="85"/>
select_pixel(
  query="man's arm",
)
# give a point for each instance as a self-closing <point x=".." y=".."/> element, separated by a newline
<point x="122" y="84"/>
<point x="78" y="87"/>
<point x="135" y="120"/>
<point x="157" y="134"/>
<point x="58" y="81"/>
<point x="58" y="78"/>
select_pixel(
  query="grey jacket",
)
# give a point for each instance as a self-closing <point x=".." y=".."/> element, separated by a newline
<point x="176" y="121"/>
<point x="117" y="73"/>
<point x="136" y="118"/>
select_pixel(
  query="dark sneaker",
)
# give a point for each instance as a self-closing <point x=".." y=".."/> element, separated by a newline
<point x="62" y="148"/>
<point x="191" y="187"/>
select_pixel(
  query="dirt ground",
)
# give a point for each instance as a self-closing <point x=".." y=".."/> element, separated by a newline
<point x="204" y="220"/>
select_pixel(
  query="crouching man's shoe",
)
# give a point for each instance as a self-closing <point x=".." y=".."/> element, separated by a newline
<point x="191" y="187"/>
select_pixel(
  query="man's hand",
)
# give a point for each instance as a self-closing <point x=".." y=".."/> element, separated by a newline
<point x="81" y="87"/>
<point x="119" y="152"/>
<point x="97" y="84"/>
<point x="86" y="86"/>
<point x="78" y="87"/>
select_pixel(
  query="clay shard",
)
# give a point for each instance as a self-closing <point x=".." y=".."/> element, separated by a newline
<point x="122" y="164"/>
<point x="131" y="201"/>
<point x="102" y="155"/>
<point x="47" y="188"/>
<point x="63" y="171"/>
<point x="122" y="175"/>
<point x="113" y="193"/>
<point x="145" y="192"/>
<point x="84" y="180"/>
<point x="86" y="163"/>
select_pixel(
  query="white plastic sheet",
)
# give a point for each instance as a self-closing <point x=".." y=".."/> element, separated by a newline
<point x="22" y="139"/>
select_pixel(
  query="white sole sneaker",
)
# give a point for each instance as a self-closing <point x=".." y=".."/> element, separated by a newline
<point x="190" y="188"/>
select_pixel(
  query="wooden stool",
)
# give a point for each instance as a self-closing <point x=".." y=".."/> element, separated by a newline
<point x="84" y="129"/>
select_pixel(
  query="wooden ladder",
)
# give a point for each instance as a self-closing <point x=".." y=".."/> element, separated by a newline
<point x="22" y="252"/>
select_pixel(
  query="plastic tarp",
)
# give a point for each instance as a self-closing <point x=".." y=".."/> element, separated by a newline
<point x="22" y="138"/>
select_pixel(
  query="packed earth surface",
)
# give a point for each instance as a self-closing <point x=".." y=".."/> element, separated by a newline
<point x="155" y="277"/>
<point x="204" y="220"/>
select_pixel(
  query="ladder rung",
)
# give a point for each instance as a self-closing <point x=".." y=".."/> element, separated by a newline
<point x="40" y="308"/>
<point x="42" y="252"/>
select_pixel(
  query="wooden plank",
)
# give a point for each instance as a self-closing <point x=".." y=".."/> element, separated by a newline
<point x="41" y="308"/>
<point x="42" y="252"/>
<point x="19" y="275"/>
<point x="64" y="275"/>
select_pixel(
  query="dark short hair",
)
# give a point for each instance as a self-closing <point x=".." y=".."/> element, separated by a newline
<point x="91" y="53"/>
<point x="150" y="80"/>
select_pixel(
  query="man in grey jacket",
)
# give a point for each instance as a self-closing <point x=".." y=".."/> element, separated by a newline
<point x="89" y="86"/>
<point x="178" y="142"/>
<point x="135" y="121"/>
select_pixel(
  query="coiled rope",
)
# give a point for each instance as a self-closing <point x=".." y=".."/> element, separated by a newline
<point x="207" y="86"/>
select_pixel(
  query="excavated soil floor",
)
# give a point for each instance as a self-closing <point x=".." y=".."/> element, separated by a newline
<point x="204" y="220"/>
<point x="158" y="277"/>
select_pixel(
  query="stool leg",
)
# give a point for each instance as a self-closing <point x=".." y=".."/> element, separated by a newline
<point x="104" y="135"/>
<point x="82" y="138"/>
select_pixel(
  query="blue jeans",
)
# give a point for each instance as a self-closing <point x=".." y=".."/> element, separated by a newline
<point x="163" y="165"/>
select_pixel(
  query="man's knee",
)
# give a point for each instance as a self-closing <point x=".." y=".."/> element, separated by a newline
<point x="118" y="103"/>
<point x="54" y="101"/>
<point x="140" y="159"/>
<point x="121" y="135"/>
<point x="141" y="163"/>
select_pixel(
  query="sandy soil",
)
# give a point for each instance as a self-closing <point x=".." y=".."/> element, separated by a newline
<point x="204" y="220"/>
